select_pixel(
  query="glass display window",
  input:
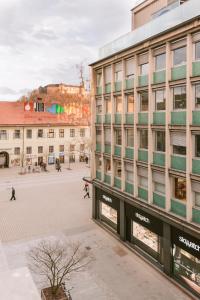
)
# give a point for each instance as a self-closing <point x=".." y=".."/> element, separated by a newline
<point x="108" y="212"/>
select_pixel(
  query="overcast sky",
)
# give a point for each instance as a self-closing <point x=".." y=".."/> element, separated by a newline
<point x="42" y="41"/>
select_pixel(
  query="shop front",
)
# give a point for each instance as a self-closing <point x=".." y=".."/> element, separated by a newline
<point x="186" y="259"/>
<point x="144" y="232"/>
<point x="108" y="208"/>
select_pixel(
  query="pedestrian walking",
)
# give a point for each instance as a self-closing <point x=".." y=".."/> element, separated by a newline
<point x="13" y="194"/>
<point x="86" y="160"/>
<point x="58" y="167"/>
<point x="86" y="189"/>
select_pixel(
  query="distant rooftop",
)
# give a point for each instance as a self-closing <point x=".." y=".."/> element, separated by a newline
<point x="165" y="22"/>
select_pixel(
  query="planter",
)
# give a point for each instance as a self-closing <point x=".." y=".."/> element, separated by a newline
<point x="46" y="294"/>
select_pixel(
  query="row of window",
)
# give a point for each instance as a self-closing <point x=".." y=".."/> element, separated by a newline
<point x="17" y="134"/>
<point x="178" y="184"/>
<point x="178" y="58"/>
<point x="17" y="150"/>
<point x="179" y="97"/>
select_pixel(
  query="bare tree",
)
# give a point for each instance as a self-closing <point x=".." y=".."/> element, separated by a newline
<point x="54" y="261"/>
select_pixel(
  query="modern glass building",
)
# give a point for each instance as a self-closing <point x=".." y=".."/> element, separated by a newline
<point x="146" y="133"/>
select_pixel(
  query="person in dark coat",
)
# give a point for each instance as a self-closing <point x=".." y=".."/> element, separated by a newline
<point x="86" y="160"/>
<point x="86" y="189"/>
<point x="13" y="194"/>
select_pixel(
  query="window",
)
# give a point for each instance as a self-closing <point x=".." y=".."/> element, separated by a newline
<point x="197" y="95"/>
<point x="197" y="51"/>
<point x="107" y="133"/>
<point x="40" y="149"/>
<point x="129" y="68"/>
<point x="17" y="151"/>
<point x="71" y="148"/>
<point x="179" y="56"/>
<point x="51" y="133"/>
<point x="117" y="169"/>
<point x="99" y="79"/>
<point x="98" y="163"/>
<point x="61" y="148"/>
<point x="39" y="106"/>
<point x="160" y="100"/>
<point x="160" y="62"/>
<point x="82" y="147"/>
<point x="118" y="137"/>
<point x="130" y="104"/>
<point x="159" y="182"/>
<point x="108" y="105"/>
<point x="40" y="133"/>
<point x="144" y="69"/>
<point x="179" y="97"/>
<point x="178" y="141"/>
<point x="61" y="133"/>
<point x="107" y="75"/>
<point x="144" y="139"/>
<point x="16" y="134"/>
<point x="197" y="145"/>
<point x="3" y="135"/>
<point x="160" y="141"/>
<point x="159" y="187"/>
<point x="130" y="137"/>
<point x="107" y="166"/>
<point x="118" y="72"/>
<point x="197" y="199"/>
<point x="98" y="135"/>
<point x="29" y="133"/>
<point x="143" y="182"/>
<point x="128" y="172"/>
<point x="98" y="106"/>
<point x="51" y="149"/>
<point x="144" y="101"/>
<point x="118" y="104"/>
<point x="180" y="188"/>
<point x="82" y="132"/>
<point x="28" y="150"/>
<point x="72" y="132"/>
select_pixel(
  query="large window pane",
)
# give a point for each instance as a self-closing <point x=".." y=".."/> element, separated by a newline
<point x="98" y="135"/>
<point x="144" y="101"/>
<point x="180" y="188"/>
<point x="99" y="106"/>
<point x="179" y="56"/>
<point x="180" y="150"/>
<point x="197" y="199"/>
<point x="144" y="139"/>
<point x="118" y="72"/>
<point x="146" y="236"/>
<point x="144" y="69"/>
<point x="118" y="104"/>
<point x="99" y="79"/>
<point x="197" y="95"/>
<point x="98" y="163"/>
<point x="197" y="145"/>
<point x="130" y="137"/>
<point x="160" y="62"/>
<point x="118" y="136"/>
<point x="143" y="182"/>
<point x="160" y="141"/>
<point x="108" y="105"/>
<point x="130" y="103"/>
<point x="129" y="172"/>
<point x="159" y="187"/>
<point x="179" y="97"/>
<point x="117" y="169"/>
<point x="129" y="68"/>
<point x="160" y="100"/>
<point x="107" y="135"/>
<point x="109" y="212"/>
<point x="107" y="166"/>
<point x="197" y="51"/>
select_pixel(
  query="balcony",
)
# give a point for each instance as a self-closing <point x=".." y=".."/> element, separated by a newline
<point x="118" y="119"/>
<point x="178" y="72"/>
<point x="178" y="118"/>
<point x="129" y="153"/>
<point x="117" y="182"/>
<point x="159" y="159"/>
<point x="159" y="77"/>
<point x="108" y="88"/>
<point x="129" y="119"/>
<point x="99" y="90"/>
<point x="129" y="188"/>
<point x="159" y="118"/>
<point x="118" y="86"/>
<point x="129" y="84"/>
<point x="107" y="178"/>
<point x="178" y="162"/>
<point x="98" y="119"/>
<point x="143" y="118"/>
<point x="196" y="215"/>
<point x="143" y="155"/>
<point x="159" y="200"/>
<point x="196" y="166"/>
<point x="98" y="147"/>
<point x="196" y="117"/>
<point x="117" y="150"/>
<point x="196" y="68"/>
<point x="178" y="208"/>
<point x="107" y="119"/>
<point x="98" y="175"/>
<point x="107" y="149"/>
<point x="143" y="194"/>
<point x="142" y="80"/>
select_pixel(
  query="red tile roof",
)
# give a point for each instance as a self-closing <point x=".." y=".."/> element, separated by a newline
<point x="13" y="113"/>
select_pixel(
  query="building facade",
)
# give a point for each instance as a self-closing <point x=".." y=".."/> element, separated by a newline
<point x="146" y="133"/>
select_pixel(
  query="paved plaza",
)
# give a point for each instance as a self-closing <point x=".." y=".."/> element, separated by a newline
<point x="51" y="206"/>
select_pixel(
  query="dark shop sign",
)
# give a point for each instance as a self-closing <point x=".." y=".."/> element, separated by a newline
<point x="107" y="198"/>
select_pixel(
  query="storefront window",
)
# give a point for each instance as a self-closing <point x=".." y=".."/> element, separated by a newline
<point x="108" y="212"/>
<point x="118" y="137"/>
<point x="118" y="104"/>
<point x="160" y="62"/>
<point x="117" y="169"/>
<point x="197" y="145"/>
<point x="160" y="141"/>
<point x="197" y="51"/>
<point x="108" y="105"/>
<point x="179" y="56"/>
<point x="179" y="97"/>
<point x="146" y="236"/>
<point x="197" y="95"/>
<point x="130" y="104"/>
<point x="144" y="101"/>
<point x="144" y="69"/>
<point x="144" y="139"/>
<point x="130" y="137"/>
<point x="180" y="188"/>
<point x="160" y="100"/>
<point x="129" y="172"/>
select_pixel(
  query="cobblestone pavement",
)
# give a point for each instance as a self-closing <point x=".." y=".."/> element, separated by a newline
<point x="51" y="206"/>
